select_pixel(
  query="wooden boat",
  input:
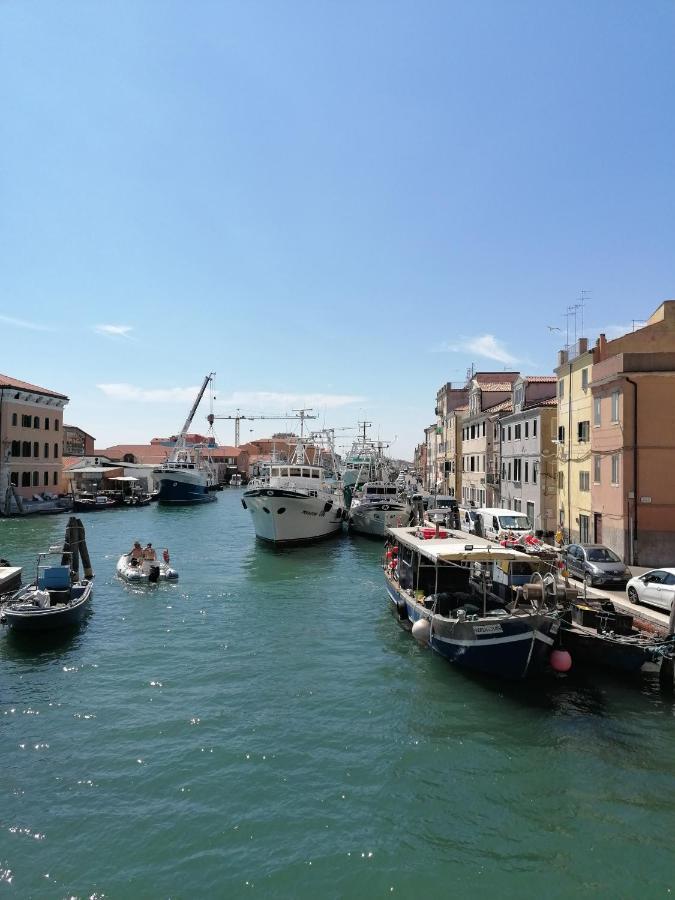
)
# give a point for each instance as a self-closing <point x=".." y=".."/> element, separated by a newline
<point x="429" y="581"/>
<point x="57" y="598"/>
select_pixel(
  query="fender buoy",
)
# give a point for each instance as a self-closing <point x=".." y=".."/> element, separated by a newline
<point x="270" y="493"/>
<point x="401" y="609"/>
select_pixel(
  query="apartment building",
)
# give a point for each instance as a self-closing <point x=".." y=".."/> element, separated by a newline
<point x="451" y="404"/>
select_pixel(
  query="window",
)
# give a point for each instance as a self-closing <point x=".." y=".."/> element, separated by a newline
<point x="509" y="471"/>
<point x="527" y="429"/>
<point x="584" y="481"/>
<point x="535" y="472"/>
<point x="516" y="432"/>
<point x="597" y="411"/>
<point x="25" y="448"/>
<point x="46" y="424"/>
<point x="561" y="480"/>
<point x="517" y="505"/>
<point x="16" y="448"/>
<point x="36" y="421"/>
<point x="526" y="478"/>
<point x="25" y="479"/>
<point x="26" y="422"/>
<point x="561" y="389"/>
<point x="56" y="424"/>
<point x="509" y="432"/>
<point x="534" y="427"/>
<point x="483" y="429"/>
<point x="14" y="479"/>
<point x="55" y="478"/>
<point x="483" y="463"/>
<point x="561" y="517"/>
<point x="597" y="468"/>
<point x="15" y="420"/>
<point x="530" y="513"/>
<point x="615" y="406"/>
<point x="36" y="479"/>
<point x="583" y="431"/>
<point x="615" y="468"/>
<point x="56" y="451"/>
<point x="45" y="479"/>
<point x="584" y="379"/>
<point x="561" y="434"/>
<point x="46" y="451"/>
<point x="503" y="471"/>
<point x="36" y="449"/>
<point x="516" y="469"/>
<point x="584" y="529"/>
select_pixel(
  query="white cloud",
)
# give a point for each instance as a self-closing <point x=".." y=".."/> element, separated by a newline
<point x="485" y="345"/>
<point x="114" y="330"/>
<point x="248" y="401"/>
<point x="22" y="323"/>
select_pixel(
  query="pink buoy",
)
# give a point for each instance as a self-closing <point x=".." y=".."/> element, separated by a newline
<point x="560" y="661"/>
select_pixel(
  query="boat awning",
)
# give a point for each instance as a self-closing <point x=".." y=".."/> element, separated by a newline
<point x="453" y="549"/>
<point x="123" y="478"/>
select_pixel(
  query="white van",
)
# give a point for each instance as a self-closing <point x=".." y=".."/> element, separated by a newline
<point x="497" y="524"/>
<point x="467" y="519"/>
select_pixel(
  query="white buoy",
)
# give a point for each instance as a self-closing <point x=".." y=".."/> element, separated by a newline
<point x="420" y="631"/>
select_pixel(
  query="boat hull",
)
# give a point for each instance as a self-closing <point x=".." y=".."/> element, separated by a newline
<point x="374" y="519"/>
<point x="288" y="517"/>
<point x="141" y="574"/>
<point x="53" y="618"/>
<point x="508" y="647"/>
<point x="591" y="648"/>
<point x="182" y="488"/>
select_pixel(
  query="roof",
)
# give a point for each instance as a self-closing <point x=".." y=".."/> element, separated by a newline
<point x="149" y="453"/>
<point x="499" y="407"/>
<point x="8" y="381"/>
<point x="81" y="430"/>
<point x="495" y="381"/>
<point x="541" y="379"/>
<point x="549" y="401"/>
<point x="454" y="549"/>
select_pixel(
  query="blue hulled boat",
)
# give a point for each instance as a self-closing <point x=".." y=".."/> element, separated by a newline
<point x="430" y="585"/>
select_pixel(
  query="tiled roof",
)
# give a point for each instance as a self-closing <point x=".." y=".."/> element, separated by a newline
<point x="145" y="453"/>
<point x="8" y="381"/>
<point x="494" y="386"/>
<point x="484" y="379"/>
<point x="499" y="407"/>
<point x="541" y="379"/>
<point x="549" y="401"/>
<point x="217" y="452"/>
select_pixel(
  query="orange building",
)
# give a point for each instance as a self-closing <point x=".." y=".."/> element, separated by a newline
<point x="31" y="437"/>
<point x="633" y="441"/>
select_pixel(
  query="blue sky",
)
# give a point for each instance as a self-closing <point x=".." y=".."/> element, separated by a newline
<point x="344" y="203"/>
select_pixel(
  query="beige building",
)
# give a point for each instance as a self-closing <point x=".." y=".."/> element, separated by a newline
<point x="451" y="404"/>
<point x="31" y="438"/>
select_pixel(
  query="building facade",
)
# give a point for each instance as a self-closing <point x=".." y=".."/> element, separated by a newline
<point x="574" y="456"/>
<point x="77" y="442"/>
<point x="31" y="438"/>
<point x="450" y="406"/>
<point x="528" y="454"/>
<point x="633" y="442"/>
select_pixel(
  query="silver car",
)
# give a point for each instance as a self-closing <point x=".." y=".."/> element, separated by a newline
<point x="596" y="564"/>
<point x="655" y="588"/>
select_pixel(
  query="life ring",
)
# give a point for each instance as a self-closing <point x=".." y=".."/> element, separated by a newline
<point x="270" y="493"/>
<point x="385" y="507"/>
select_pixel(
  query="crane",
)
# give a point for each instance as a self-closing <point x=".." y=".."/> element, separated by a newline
<point x="180" y="443"/>
<point x="296" y="414"/>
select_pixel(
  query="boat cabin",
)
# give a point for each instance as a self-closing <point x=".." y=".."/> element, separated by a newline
<point x="293" y="472"/>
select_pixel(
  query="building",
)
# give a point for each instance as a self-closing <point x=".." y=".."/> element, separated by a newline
<point x="573" y="374"/>
<point x="450" y="406"/>
<point x="420" y="463"/>
<point x="431" y="471"/>
<point x="633" y="442"/>
<point x="77" y="442"/>
<point x="489" y="400"/>
<point x="31" y="438"/>
<point x="528" y="452"/>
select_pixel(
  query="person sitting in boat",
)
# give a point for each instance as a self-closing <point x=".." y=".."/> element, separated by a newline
<point x="137" y="551"/>
<point x="149" y="553"/>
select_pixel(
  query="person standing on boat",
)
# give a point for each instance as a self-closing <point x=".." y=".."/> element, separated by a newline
<point x="149" y="553"/>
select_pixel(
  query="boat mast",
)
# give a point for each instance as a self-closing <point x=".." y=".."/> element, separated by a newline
<point x="180" y="443"/>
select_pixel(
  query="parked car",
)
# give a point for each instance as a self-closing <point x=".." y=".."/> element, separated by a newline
<point x="655" y="588"/>
<point x="596" y="564"/>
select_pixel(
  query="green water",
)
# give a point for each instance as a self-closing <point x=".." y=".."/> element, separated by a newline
<point x="264" y="727"/>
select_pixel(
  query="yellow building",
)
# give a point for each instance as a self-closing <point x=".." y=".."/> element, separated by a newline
<point x="573" y="437"/>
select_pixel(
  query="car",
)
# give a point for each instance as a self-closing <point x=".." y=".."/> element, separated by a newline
<point x="596" y="564"/>
<point x="654" y="588"/>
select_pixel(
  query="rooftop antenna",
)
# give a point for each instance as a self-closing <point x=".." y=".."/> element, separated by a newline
<point x="584" y="297"/>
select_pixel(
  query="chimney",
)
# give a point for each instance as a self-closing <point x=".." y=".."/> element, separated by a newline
<point x="562" y="357"/>
<point x="582" y="346"/>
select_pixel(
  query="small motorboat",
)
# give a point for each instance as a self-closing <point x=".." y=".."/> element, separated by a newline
<point x="57" y="598"/>
<point x="146" y="571"/>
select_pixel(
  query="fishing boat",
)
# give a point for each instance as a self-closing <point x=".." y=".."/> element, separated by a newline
<point x="377" y="506"/>
<point x="146" y="571"/>
<point x="57" y="598"/>
<point x="88" y="502"/>
<point x="431" y="583"/>
<point x="188" y="476"/>
<point x="299" y="500"/>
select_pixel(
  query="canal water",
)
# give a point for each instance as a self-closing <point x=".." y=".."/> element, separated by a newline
<point x="264" y="727"/>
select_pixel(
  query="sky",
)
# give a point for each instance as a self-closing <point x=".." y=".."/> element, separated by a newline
<point x="341" y="205"/>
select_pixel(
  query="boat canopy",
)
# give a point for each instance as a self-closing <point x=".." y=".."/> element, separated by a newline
<point x="123" y="478"/>
<point x="453" y="549"/>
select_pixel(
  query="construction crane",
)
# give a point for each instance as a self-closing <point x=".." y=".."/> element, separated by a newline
<point x="296" y="414"/>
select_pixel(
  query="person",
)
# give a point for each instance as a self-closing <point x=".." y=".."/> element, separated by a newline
<point x="149" y="553"/>
<point x="137" y="551"/>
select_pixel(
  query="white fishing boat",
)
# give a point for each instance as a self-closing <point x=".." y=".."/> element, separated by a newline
<point x="376" y="506"/>
<point x="188" y="476"/>
<point x="300" y="500"/>
<point x="146" y="571"/>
